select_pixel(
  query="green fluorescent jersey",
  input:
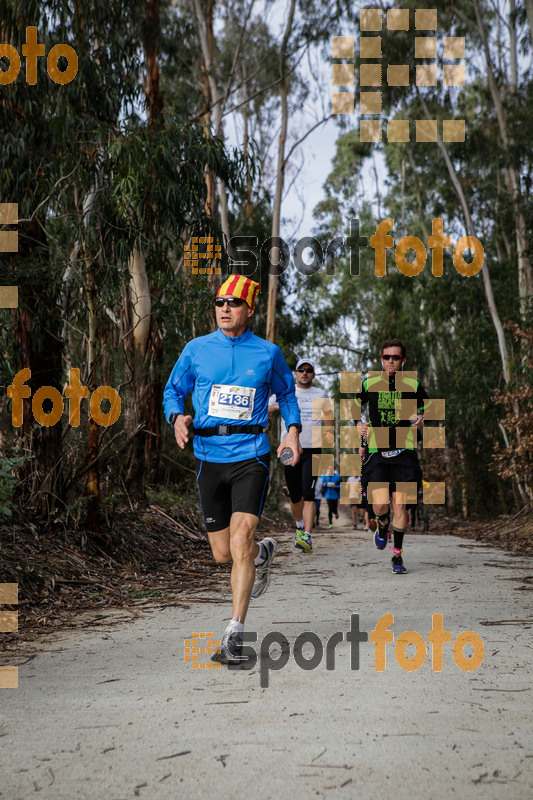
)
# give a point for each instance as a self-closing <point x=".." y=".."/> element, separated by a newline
<point x="391" y="400"/>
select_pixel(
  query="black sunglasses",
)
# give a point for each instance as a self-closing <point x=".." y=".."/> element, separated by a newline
<point x="391" y="358"/>
<point x="304" y="369"/>
<point x="233" y="302"/>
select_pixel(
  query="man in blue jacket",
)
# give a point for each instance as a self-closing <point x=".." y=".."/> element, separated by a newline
<point x="332" y="492"/>
<point x="231" y="374"/>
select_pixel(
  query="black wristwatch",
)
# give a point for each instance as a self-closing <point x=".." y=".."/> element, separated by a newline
<point x="294" y="425"/>
<point x="173" y="417"/>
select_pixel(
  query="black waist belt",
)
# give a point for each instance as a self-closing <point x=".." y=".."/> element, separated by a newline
<point x="227" y="430"/>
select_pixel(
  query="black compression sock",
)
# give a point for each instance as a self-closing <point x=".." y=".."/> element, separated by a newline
<point x="398" y="537"/>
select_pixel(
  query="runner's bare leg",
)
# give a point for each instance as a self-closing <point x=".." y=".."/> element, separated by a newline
<point x="298" y="510"/>
<point x="236" y="543"/>
<point x="399" y="510"/>
<point x="243" y="551"/>
<point x="309" y="514"/>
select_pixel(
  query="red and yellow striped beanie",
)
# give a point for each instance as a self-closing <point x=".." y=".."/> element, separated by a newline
<point x="240" y="286"/>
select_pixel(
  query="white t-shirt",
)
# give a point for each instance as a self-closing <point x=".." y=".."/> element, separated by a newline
<point x="352" y="490"/>
<point x="305" y="399"/>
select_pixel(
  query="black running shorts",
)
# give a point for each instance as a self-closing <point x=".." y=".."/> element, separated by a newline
<point x="227" y="488"/>
<point x="300" y="480"/>
<point x="404" y="467"/>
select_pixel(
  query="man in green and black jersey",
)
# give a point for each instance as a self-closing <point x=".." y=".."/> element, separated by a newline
<point x="395" y="400"/>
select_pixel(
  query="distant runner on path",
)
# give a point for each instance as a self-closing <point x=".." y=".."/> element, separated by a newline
<point x="390" y="463"/>
<point x="299" y="477"/>
<point x="357" y="506"/>
<point x="231" y="374"/>
<point x="332" y="493"/>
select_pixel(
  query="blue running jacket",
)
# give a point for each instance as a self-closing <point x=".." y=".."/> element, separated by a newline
<point x="332" y="492"/>
<point x="231" y="379"/>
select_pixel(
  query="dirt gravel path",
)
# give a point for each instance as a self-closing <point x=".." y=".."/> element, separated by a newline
<point x="116" y="712"/>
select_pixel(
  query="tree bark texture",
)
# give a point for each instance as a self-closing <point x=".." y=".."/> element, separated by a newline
<point x="525" y="277"/>
<point x="280" y="176"/>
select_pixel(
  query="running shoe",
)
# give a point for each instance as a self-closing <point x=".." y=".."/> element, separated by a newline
<point x="380" y="537"/>
<point x="372" y="525"/>
<point x="262" y="572"/>
<point x="397" y="565"/>
<point x="336" y="516"/>
<point x="302" y="541"/>
<point x="230" y="648"/>
<point x="330" y="526"/>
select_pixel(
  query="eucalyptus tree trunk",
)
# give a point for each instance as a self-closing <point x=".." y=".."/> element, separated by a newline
<point x="205" y="29"/>
<point x="92" y="480"/>
<point x="92" y="488"/>
<point x="464" y="480"/>
<point x="141" y="302"/>
<point x="151" y="46"/>
<point x="529" y="9"/>
<point x="525" y="277"/>
<point x="513" y="48"/>
<point x="280" y="175"/>
<point x="245" y="147"/>
<point x="40" y="478"/>
<point x="145" y="340"/>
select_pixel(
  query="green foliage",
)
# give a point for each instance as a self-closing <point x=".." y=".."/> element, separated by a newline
<point x="8" y="481"/>
<point x="450" y="336"/>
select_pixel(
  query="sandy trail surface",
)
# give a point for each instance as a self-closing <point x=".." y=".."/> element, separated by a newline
<point x="116" y="712"/>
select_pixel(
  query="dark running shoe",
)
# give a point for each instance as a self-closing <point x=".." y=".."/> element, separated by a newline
<point x="230" y="651"/>
<point x="380" y="536"/>
<point x="397" y="565"/>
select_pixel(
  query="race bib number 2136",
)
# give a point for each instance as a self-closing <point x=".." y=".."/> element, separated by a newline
<point x="231" y="402"/>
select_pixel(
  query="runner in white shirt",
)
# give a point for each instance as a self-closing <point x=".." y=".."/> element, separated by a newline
<point x="356" y="500"/>
<point x="300" y="480"/>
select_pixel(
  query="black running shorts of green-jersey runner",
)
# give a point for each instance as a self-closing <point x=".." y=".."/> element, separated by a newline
<point x="403" y="468"/>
